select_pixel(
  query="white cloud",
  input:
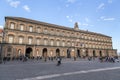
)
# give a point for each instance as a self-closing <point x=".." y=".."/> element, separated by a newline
<point x="14" y="4"/>
<point x="106" y="18"/>
<point x="1" y="26"/>
<point x="67" y="16"/>
<point x="25" y="7"/>
<point x="101" y="6"/>
<point x="70" y="18"/>
<point x="71" y="1"/>
<point x="109" y="19"/>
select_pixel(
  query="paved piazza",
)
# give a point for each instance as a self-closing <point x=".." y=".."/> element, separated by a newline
<point x="68" y="70"/>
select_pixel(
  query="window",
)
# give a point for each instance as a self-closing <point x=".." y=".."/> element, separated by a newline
<point x="45" y="31"/>
<point x="45" y="41"/>
<point x="30" y="28"/>
<point x="20" y="40"/>
<point x="58" y="43"/>
<point x="73" y="44"/>
<point x="38" y="41"/>
<point x="51" y="43"/>
<point x="21" y="27"/>
<point x="38" y="30"/>
<point x="11" y="39"/>
<point x="63" y="43"/>
<point x="12" y="26"/>
<point x="30" y="40"/>
<point x="68" y="43"/>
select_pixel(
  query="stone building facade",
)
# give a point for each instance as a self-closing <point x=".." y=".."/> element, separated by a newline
<point x="33" y="38"/>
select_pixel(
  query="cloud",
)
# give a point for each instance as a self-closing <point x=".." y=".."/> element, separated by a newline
<point x="106" y="19"/>
<point x="70" y="18"/>
<point x="109" y="19"/>
<point x="26" y="8"/>
<point x="1" y="26"/>
<point x="101" y="6"/>
<point x="71" y="1"/>
<point x="14" y="4"/>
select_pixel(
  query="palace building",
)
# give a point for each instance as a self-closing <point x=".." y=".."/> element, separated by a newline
<point x="33" y="38"/>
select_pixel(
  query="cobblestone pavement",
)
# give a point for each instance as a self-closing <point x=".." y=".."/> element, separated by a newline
<point x="81" y="69"/>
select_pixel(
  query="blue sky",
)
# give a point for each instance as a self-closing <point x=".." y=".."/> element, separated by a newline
<point x="101" y="16"/>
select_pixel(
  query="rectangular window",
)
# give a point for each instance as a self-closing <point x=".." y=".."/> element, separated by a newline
<point x="31" y="29"/>
<point x="51" y="42"/>
<point x="30" y="40"/>
<point x="21" y="27"/>
<point x="38" y="41"/>
<point x="10" y="39"/>
<point x="58" y="43"/>
<point x="45" y="42"/>
<point x="72" y="44"/>
<point x="63" y="44"/>
<point x="20" y="40"/>
<point x="12" y="25"/>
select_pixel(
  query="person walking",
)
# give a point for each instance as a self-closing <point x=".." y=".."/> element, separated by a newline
<point x="58" y="61"/>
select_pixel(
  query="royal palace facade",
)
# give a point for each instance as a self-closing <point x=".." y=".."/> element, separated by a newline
<point x="33" y="38"/>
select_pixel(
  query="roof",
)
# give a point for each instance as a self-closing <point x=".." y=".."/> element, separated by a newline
<point x="51" y="25"/>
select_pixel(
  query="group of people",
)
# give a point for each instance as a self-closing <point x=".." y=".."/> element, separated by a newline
<point x="109" y="59"/>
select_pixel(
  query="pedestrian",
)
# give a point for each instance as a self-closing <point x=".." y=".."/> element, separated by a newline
<point x="58" y="61"/>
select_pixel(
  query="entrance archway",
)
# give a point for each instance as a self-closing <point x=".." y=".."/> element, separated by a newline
<point x="44" y="53"/>
<point x="94" y="54"/>
<point x="100" y="53"/>
<point x="86" y="53"/>
<point x="28" y="52"/>
<point x="19" y="52"/>
<point x="57" y="52"/>
<point x="68" y="53"/>
<point x="78" y="53"/>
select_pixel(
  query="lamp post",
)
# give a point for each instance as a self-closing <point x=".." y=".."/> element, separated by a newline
<point x="1" y="51"/>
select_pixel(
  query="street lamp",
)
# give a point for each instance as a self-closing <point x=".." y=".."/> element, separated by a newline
<point x="1" y="51"/>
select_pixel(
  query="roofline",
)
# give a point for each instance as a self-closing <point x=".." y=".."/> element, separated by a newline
<point x="51" y="25"/>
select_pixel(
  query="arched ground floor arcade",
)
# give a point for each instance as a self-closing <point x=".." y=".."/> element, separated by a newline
<point x="44" y="51"/>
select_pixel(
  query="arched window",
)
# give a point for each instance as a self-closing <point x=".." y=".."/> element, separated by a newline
<point x="11" y="39"/>
<point x="12" y="25"/>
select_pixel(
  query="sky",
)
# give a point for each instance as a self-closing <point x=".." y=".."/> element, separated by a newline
<point x="101" y="16"/>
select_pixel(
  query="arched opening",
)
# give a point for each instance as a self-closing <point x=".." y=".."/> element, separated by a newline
<point x="19" y="52"/>
<point x="44" y="53"/>
<point x="28" y="52"/>
<point x="94" y="55"/>
<point x="86" y="53"/>
<point x="100" y="53"/>
<point x="57" y="52"/>
<point x="68" y="53"/>
<point x="78" y="53"/>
